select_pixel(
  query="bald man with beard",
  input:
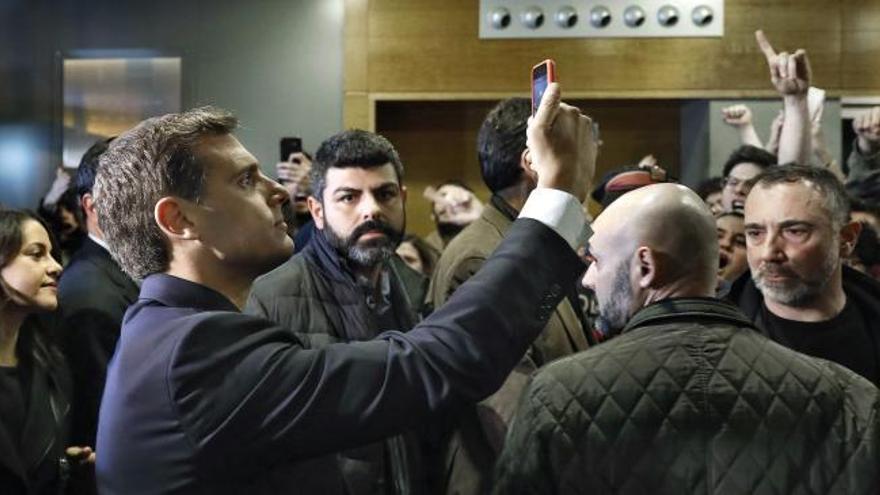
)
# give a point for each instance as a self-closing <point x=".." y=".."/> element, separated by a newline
<point x="687" y="397"/>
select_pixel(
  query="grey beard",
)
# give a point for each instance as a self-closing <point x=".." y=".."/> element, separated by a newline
<point x="359" y="255"/>
<point x="369" y="256"/>
<point x="800" y="292"/>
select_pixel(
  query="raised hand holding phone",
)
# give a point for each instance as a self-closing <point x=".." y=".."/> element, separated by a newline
<point x="542" y="74"/>
<point x="562" y="147"/>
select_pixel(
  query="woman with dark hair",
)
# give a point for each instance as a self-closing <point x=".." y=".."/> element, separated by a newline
<point x="418" y="254"/>
<point x="34" y="382"/>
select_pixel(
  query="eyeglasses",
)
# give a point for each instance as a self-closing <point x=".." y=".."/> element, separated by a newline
<point x="734" y="182"/>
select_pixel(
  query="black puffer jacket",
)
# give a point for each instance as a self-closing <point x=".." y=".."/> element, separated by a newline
<point x="315" y="296"/>
<point x="690" y="399"/>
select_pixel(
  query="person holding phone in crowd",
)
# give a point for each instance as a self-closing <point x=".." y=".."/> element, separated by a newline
<point x="202" y="398"/>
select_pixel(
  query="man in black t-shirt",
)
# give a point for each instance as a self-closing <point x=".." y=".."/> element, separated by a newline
<point x="798" y="231"/>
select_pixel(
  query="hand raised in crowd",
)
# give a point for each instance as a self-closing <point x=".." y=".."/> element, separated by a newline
<point x="740" y="117"/>
<point x="867" y="128"/>
<point x="453" y="204"/>
<point x="294" y="174"/>
<point x="562" y="147"/>
<point x="790" y="73"/>
<point x="649" y="164"/>
<point x="737" y="115"/>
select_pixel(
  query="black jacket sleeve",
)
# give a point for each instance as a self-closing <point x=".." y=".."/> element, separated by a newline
<point x="246" y="388"/>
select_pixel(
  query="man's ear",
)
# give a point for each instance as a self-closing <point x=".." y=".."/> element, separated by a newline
<point x="647" y="269"/>
<point x="170" y="214"/>
<point x="525" y="163"/>
<point x="87" y="202"/>
<point x="403" y="192"/>
<point x="849" y="236"/>
<point x="317" y="211"/>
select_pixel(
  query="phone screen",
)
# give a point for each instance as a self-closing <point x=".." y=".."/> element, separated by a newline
<point x="539" y="85"/>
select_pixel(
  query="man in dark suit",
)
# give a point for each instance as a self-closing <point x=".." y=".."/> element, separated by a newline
<point x="201" y="398"/>
<point x="93" y="294"/>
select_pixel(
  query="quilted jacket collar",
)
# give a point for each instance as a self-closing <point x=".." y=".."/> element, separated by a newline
<point x="689" y="308"/>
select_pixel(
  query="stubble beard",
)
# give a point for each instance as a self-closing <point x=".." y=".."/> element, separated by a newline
<point x="799" y="291"/>
<point x="615" y="312"/>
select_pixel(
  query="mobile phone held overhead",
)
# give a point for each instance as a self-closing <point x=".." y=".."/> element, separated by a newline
<point x="542" y="74"/>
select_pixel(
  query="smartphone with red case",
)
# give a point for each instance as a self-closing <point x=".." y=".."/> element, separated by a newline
<point x="542" y="75"/>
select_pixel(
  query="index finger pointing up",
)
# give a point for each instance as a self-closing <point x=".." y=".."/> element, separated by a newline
<point x="765" y="45"/>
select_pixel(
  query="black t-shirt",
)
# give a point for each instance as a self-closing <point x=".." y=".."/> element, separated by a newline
<point x="844" y="339"/>
<point x="13" y="409"/>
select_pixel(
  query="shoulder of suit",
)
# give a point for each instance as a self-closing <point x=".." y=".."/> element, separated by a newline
<point x="85" y="278"/>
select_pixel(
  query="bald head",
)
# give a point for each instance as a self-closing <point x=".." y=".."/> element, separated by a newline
<point x="674" y="222"/>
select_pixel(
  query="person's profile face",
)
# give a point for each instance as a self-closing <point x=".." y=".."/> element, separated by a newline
<point x="732" y="247"/>
<point x="608" y="276"/>
<point x="791" y="245"/>
<point x="363" y="212"/>
<point x="69" y="224"/>
<point x="239" y="218"/>
<point x="736" y="185"/>
<point x="31" y="277"/>
<point x="714" y="201"/>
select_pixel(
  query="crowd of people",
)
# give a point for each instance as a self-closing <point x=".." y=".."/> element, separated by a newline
<point x="173" y="320"/>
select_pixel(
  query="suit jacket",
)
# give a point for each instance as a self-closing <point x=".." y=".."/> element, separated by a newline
<point x="93" y="294"/>
<point x="470" y="450"/>
<point x="466" y="254"/>
<point x="203" y="399"/>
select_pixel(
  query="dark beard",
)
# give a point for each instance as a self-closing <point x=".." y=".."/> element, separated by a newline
<point x="368" y="255"/>
<point x="614" y="314"/>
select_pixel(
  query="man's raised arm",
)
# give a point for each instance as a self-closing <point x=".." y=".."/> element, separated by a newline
<point x="791" y="74"/>
<point x="460" y="354"/>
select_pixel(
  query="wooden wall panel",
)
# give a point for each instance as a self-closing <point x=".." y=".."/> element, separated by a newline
<point x="420" y="75"/>
<point x="860" y="60"/>
<point x="437" y="141"/>
<point x="426" y="46"/>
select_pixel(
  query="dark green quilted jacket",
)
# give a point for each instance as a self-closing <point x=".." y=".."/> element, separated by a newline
<point x="690" y="399"/>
